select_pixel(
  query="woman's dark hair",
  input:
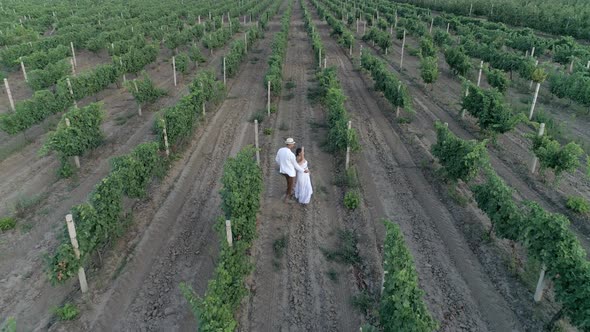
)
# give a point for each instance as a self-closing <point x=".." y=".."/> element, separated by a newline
<point x="297" y="152"/>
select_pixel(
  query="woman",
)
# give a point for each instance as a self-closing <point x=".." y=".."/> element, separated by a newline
<point x="303" y="188"/>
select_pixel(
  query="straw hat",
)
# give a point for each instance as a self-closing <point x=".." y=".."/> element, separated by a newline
<point x="289" y="141"/>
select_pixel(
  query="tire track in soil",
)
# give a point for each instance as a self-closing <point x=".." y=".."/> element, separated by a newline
<point x="29" y="304"/>
<point x="146" y="296"/>
<point x="510" y="158"/>
<point x="453" y="278"/>
<point x="293" y="293"/>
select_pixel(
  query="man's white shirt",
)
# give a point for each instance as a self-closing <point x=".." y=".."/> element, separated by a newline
<point x="287" y="162"/>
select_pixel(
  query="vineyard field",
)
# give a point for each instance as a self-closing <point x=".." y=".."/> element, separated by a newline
<point x="448" y="147"/>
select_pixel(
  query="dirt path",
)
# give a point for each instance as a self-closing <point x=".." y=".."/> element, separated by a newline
<point x="465" y="291"/>
<point x="178" y="243"/>
<point x="28" y="295"/>
<point x="292" y="292"/>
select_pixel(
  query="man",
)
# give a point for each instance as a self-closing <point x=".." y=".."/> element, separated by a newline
<point x="288" y="165"/>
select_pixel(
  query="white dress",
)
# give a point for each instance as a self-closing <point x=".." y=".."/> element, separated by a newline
<point x="303" y="189"/>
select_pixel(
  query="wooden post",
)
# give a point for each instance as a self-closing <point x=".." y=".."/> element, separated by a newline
<point x="401" y="62"/>
<point x="350" y="50"/>
<point x="448" y="27"/>
<point x="391" y="30"/>
<point x="246" y="42"/>
<point x="479" y="75"/>
<point x="431" y="25"/>
<point x="572" y="65"/>
<point x="357" y="25"/>
<point x="471" y="9"/>
<point x="382" y="286"/>
<point x="533" y="52"/>
<point x="124" y="76"/>
<point x="165" y="139"/>
<point x="73" y="54"/>
<point x="137" y="91"/>
<point x="320" y="58"/>
<point x="22" y="66"/>
<point x="74" y="241"/>
<point x="199" y="19"/>
<point x="397" y="109"/>
<point x="9" y="95"/>
<point x="256" y="142"/>
<point x="534" y="100"/>
<point x="347" y="164"/>
<point x="268" y="99"/>
<point x="71" y="91"/>
<point x="224" y="75"/>
<point x="325" y="62"/>
<point x="364" y="27"/>
<point x="203" y="101"/>
<point x="174" y="68"/>
<point x="526" y="54"/>
<point x="540" y="285"/>
<point x="73" y="67"/>
<point x="588" y="65"/>
<point x="395" y="22"/>
<point x="535" y="159"/>
<point x="230" y="239"/>
<point x="76" y="158"/>
<point x="463" y="110"/>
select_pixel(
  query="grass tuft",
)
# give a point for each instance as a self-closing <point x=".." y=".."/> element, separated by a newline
<point x="7" y="223"/>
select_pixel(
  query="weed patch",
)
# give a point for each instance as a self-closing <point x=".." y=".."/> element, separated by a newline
<point x="578" y="205"/>
<point x="67" y="312"/>
<point x="258" y="115"/>
<point x="7" y="223"/>
<point x="346" y="252"/>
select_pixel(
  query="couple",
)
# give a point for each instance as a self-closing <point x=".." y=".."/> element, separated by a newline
<point x="292" y="165"/>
